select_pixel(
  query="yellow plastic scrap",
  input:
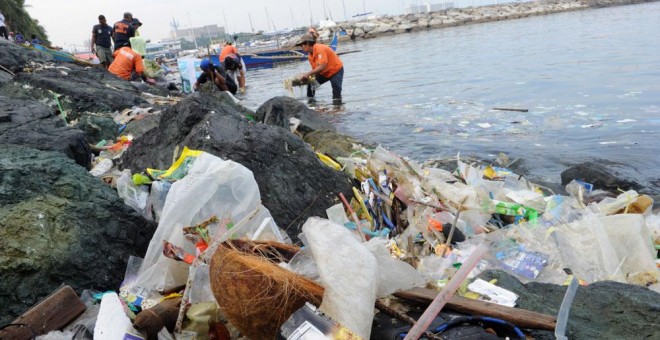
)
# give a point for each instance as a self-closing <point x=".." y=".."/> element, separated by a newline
<point x="179" y="168"/>
<point x="328" y="161"/>
<point x="360" y="200"/>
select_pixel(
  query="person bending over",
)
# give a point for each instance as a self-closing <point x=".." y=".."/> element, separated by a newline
<point x="326" y="66"/>
<point x="128" y="65"/>
<point x="236" y="70"/>
<point x="218" y="75"/>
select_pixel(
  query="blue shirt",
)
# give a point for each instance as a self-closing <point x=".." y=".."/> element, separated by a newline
<point x="102" y="35"/>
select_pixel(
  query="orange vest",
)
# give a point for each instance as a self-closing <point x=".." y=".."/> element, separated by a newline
<point x="228" y="49"/>
<point x="323" y="54"/>
<point x="126" y="60"/>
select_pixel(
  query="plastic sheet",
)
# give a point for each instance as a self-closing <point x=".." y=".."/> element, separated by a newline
<point x="349" y="274"/>
<point x="212" y="187"/>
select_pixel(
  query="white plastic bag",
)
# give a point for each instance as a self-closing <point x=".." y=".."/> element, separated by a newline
<point x="349" y="274"/>
<point x="159" y="191"/>
<point x="212" y="187"/>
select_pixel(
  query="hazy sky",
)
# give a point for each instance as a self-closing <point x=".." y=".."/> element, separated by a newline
<point x="70" y="21"/>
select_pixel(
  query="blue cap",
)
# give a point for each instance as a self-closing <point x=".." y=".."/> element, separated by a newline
<point x="205" y="64"/>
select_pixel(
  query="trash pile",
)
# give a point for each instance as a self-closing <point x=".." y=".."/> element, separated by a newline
<point x="219" y="267"/>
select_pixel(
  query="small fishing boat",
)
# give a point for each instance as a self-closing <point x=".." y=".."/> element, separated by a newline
<point x="269" y="59"/>
<point x="61" y="55"/>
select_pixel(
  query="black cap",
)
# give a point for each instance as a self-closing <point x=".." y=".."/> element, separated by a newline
<point x="137" y="22"/>
<point x="101" y="17"/>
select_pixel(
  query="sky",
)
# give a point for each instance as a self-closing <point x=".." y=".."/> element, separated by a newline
<point x="70" y="22"/>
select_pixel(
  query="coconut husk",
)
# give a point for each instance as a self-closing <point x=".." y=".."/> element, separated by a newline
<point x="256" y="294"/>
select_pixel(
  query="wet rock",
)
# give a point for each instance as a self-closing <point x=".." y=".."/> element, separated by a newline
<point x="335" y="144"/>
<point x="33" y="124"/>
<point x="602" y="310"/>
<point x="137" y="128"/>
<point x="58" y="224"/>
<point x="603" y="175"/>
<point x="15" y="57"/>
<point x="78" y="89"/>
<point x="97" y="127"/>
<point x="293" y="183"/>
<point x="278" y="111"/>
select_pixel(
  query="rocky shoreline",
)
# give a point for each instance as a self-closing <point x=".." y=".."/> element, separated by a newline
<point x="61" y="225"/>
<point x="398" y="24"/>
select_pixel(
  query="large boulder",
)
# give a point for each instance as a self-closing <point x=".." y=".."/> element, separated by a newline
<point x="293" y="183"/>
<point x="336" y="144"/>
<point x="97" y="127"/>
<point x="14" y="57"/>
<point x="59" y="225"/>
<point x="77" y="89"/>
<point x="278" y="111"/>
<point x="33" y="124"/>
<point x="601" y="310"/>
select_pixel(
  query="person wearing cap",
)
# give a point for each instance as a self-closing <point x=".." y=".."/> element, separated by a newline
<point x="235" y="67"/>
<point x="217" y="74"/>
<point x="3" y="27"/>
<point x="123" y="31"/>
<point x="128" y="65"/>
<point x="326" y="66"/>
<point x="136" y="25"/>
<point x="102" y="41"/>
<point x="35" y="40"/>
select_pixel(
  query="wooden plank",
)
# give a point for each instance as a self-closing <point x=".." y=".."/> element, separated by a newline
<point x="51" y="313"/>
<point x="520" y="317"/>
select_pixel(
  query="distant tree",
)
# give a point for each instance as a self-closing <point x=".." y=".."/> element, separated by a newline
<point x="19" y="20"/>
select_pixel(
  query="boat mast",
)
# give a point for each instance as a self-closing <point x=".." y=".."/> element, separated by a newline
<point x="192" y="29"/>
<point x="345" y="15"/>
<point x="251" y="26"/>
<point x="311" y="16"/>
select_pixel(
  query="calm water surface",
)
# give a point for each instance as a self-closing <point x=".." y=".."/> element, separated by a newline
<point x="590" y="79"/>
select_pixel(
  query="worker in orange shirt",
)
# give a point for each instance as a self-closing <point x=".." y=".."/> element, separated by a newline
<point x="128" y="65"/>
<point x="326" y="66"/>
<point x="227" y="50"/>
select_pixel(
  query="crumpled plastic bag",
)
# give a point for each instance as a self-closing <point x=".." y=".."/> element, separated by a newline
<point x="213" y="186"/>
<point x="349" y="272"/>
<point x="393" y="275"/>
<point x="134" y="196"/>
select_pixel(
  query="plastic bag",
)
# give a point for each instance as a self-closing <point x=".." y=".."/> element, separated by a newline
<point x="212" y="187"/>
<point x="157" y="197"/>
<point x="134" y="196"/>
<point x="393" y="275"/>
<point x="349" y="274"/>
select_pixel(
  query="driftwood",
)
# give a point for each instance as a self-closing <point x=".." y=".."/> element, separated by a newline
<point x="510" y="109"/>
<point x="519" y="317"/>
<point x="152" y="320"/>
<point x="51" y="313"/>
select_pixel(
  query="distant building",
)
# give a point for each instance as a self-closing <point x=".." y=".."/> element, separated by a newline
<point x="419" y="8"/>
<point x="189" y="34"/>
<point x="164" y="47"/>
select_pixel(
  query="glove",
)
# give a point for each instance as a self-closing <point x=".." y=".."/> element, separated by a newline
<point x="242" y="90"/>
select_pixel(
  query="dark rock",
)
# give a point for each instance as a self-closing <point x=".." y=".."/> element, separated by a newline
<point x="335" y="144"/>
<point x="97" y="127"/>
<point x="279" y="110"/>
<point x="59" y="225"/>
<point x="603" y="175"/>
<point x="14" y="57"/>
<point x="601" y="310"/>
<point x="35" y="125"/>
<point x="137" y="128"/>
<point x="293" y="183"/>
<point x="78" y="89"/>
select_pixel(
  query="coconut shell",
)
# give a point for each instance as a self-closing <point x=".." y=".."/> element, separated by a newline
<point x="257" y="295"/>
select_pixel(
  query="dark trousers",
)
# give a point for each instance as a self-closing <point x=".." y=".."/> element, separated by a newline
<point x="336" y="80"/>
<point x="3" y="32"/>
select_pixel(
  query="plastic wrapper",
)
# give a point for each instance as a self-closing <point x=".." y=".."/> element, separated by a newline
<point x="609" y="206"/>
<point x="212" y="187"/>
<point x="101" y="167"/>
<point x="349" y="274"/>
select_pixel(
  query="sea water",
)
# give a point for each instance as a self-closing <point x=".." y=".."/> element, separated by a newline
<point x="590" y="80"/>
